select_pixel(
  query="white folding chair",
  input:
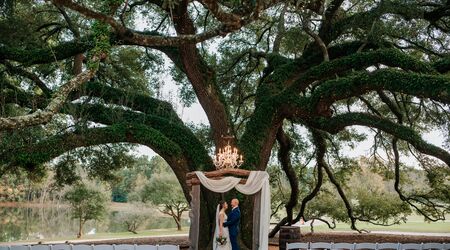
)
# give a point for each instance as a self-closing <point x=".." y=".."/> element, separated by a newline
<point x="344" y="246"/>
<point x="82" y="247"/>
<point x="365" y="246"/>
<point x="395" y="246"/>
<point x="103" y="247"/>
<point x="61" y="247"/>
<point x="123" y="247"/>
<point x="297" y="245"/>
<point x="433" y="246"/>
<point x="20" y="247"/>
<point x="320" y="245"/>
<point x="40" y="247"/>
<point x="411" y="246"/>
<point x="168" y="247"/>
<point x="146" y="247"/>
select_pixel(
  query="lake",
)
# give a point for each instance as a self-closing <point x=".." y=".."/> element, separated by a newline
<point x="55" y="222"/>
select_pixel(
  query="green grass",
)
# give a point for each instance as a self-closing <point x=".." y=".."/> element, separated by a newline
<point x="415" y="223"/>
<point x="443" y="227"/>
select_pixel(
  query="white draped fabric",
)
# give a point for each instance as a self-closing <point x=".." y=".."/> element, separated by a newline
<point x="257" y="181"/>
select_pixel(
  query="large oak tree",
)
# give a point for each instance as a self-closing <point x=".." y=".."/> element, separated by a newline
<point x="260" y="70"/>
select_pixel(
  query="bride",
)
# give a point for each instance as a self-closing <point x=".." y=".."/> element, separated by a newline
<point x="221" y="217"/>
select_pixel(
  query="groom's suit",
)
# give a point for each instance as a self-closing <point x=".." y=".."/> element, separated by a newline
<point x="232" y="223"/>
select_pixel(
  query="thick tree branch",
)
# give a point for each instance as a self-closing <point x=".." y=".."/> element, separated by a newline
<point x="135" y="101"/>
<point x="320" y="159"/>
<point x="90" y="13"/>
<point x="44" y="116"/>
<point x="220" y="14"/>
<point x="281" y="30"/>
<point x="320" y="154"/>
<point x="392" y="106"/>
<point x="18" y="70"/>
<point x="388" y="57"/>
<point x="319" y="42"/>
<point x="443" y="65"/>
<point x="30" y="56"/>
<point x="118" y="132"/>
<point x="434" y="87"/>
<point x="145" y="40"/>
<point x="407" y="11"/>
<point x="319" y="138"/>
<point x="286" y="146"/>
<point x="203" y="80"/>
<point x="339" y="122"/>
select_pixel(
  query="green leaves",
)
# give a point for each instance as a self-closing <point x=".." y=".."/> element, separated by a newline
<point x="102" y="45"/>
<point x="86" y="203"/>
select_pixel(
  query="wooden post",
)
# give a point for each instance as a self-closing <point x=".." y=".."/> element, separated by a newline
<point x="194" y="216"/>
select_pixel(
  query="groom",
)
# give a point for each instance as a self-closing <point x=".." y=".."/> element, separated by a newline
<point x="233" y="223"/>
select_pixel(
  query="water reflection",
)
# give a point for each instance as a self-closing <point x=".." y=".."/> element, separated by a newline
<point x="32" y="223"/>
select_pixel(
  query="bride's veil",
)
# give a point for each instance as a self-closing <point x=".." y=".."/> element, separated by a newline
<point x="216" y="231"/>
<point x="217" y="216"/>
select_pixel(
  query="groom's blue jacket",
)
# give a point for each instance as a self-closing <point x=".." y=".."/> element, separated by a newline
<point x="233" y="221"/>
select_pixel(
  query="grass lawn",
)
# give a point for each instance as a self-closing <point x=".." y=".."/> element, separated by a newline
<point x="415" y="223"/>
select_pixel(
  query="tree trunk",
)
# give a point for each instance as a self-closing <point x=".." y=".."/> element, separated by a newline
<point x="203" y="80"/>
<point x="80" y="229"/>
<point x="246" y="230"/>
<point x="178" y="221"/>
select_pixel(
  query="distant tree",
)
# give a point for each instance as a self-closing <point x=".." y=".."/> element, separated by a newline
<point x="164" y="191"/>
<point x="369" y="194"/>
<point x="132" y="179"/>
<point x="86" y="204"/>
<point x="133" y="220"/>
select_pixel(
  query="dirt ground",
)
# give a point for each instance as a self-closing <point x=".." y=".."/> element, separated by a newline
<point x="183" y="242"/>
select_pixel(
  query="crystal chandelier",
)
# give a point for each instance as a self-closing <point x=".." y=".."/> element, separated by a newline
<point x="227" y="158"/>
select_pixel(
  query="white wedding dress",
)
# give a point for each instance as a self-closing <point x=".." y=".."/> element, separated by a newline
<point x="225" y="234"/>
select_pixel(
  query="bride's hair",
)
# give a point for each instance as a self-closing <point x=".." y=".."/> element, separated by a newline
<point x="221" y="204"/>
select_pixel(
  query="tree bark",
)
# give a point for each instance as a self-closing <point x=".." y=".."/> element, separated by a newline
<point x="203" y="80"/>
<point x="284" y="158"/>
<point x="80" y="228"/>
<point x="40" y="117"/>
<point x="178" y="221"/>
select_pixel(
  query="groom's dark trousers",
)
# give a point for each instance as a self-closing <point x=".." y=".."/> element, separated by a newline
<point x="233" y="226"/>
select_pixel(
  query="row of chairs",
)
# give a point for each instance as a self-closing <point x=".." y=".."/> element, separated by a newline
<point x="371" y="246"/>
<point x="90" y="247"/>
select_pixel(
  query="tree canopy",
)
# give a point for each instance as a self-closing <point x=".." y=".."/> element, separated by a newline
<point x="288" y="79"/>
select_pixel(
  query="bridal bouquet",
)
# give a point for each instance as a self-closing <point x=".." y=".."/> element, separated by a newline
<point x="221" y="240"/>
